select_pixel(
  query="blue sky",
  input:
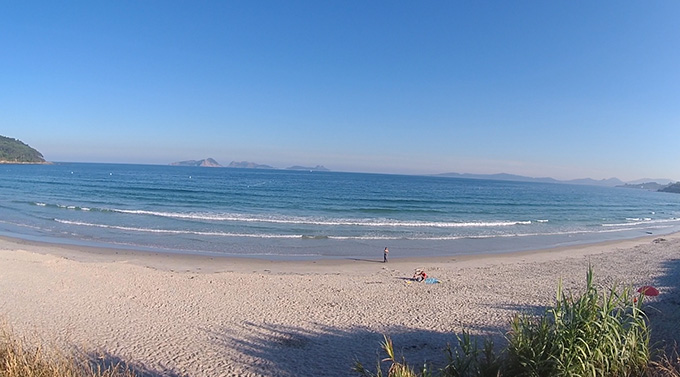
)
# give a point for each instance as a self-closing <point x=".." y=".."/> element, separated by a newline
<point x="567" y="89"/>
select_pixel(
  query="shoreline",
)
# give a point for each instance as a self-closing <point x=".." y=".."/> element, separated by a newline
<point x="188" y="262"/>
<point x="26" y="163"/>
<point x="199" y="263"/>
<point x="302" y="249"/>
<point x="192" y="315"/>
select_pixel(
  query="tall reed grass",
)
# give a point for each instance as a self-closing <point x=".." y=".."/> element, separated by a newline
<point x="598" y="333"/>
<point x="594" y="334"/>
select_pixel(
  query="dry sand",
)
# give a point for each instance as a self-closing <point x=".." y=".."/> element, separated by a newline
<point x="171" y="315"/>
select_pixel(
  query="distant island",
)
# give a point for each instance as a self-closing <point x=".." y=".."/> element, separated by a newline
<point x="208" y="162"/>
<point x="13" y="151"/>
<point x="248" y="165"/>
<point x="316" y="168"/>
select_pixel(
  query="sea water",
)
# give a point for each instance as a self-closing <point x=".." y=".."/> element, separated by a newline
<point x="310" y="214"/>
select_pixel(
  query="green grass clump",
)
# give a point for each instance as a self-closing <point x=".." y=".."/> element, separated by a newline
<point x="17" y="359"/>
<point x="469" y="360"/>
<point x="594" y="334"/>
<point x="397" y="368"/>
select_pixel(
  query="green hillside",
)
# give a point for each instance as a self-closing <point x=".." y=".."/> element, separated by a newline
<point x="14" y="151"/>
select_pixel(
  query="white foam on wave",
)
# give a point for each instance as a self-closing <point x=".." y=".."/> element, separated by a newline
<point x="228" y="234"/>
<point x="357" y="237"/>
<point x="488" y="236"/>
<point x="391" y="238"/>
<point x="645" y="221"/>
<point x="172" y="231"/>
<point x="63" y="206"/>
<point x="322" y="222"/>
<point x="293" y="220"/>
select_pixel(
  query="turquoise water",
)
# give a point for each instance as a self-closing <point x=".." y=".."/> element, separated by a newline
<point x="302" y="214"/>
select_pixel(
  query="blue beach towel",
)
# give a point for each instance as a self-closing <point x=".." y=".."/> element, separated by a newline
<point x="431" y="281"/>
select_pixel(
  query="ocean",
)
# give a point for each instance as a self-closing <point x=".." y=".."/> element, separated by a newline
<point x="285" y="214"/>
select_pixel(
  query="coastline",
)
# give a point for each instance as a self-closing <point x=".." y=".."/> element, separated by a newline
<point x="194" y="315"/>
<point x="210" y="263"/>
<point x="26" y="163"/>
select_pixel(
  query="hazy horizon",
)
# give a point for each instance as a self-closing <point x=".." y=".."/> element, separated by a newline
<point x="224" y="164"/>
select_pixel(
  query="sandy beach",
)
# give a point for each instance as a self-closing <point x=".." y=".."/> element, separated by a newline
<point x="175" y="315"/>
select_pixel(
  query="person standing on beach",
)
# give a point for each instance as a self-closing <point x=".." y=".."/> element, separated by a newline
<point x="385" y="252"/>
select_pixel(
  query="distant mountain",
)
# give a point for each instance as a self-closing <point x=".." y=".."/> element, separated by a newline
<point x="248" y="165"/>
<point x="674" y="188"/>
<point x="208" y="162"/>
<point x="316" y="168"/>
<point x="611" y="182"/>
<point x="500" y="177"/>
<point x="652" y="186"/>
<point x="13" y="151"/>
<point x="661" y="181"/>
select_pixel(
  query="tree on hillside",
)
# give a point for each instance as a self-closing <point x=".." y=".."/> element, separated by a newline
<point x="12" y="150"/>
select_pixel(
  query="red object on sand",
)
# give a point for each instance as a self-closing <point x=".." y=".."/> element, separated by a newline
<point x="648" y="290"/>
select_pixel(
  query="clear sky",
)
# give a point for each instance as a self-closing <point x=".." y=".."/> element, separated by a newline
<point x="567" y="89"/>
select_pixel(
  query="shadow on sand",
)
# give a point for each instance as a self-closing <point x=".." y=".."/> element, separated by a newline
<point x="288" y="351"/>
<point x="664" y="310"/>
<point x="292" y="351"/>
<point x="105" y="360"/>
<point x="366" y="260"/>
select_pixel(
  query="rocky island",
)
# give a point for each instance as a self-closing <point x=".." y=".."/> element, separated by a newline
<point x="13" y="151"/>
<point x="248" y="165"/>
<point x="316" y="168"/>
<point x="208" y="162"/>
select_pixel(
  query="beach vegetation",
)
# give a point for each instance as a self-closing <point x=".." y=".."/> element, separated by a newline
<point x="667" y="364"/>
<point x="20" y="359"/>
<point x="15" y="151"/>
<point x="597" y="333"/>
<point x="469" y="359"/>
<point x="397" y="368"/>
<point x="594" y="334"/>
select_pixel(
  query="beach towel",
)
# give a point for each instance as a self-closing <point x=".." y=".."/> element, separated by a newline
<point x="431" y="281"/>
